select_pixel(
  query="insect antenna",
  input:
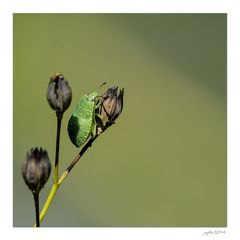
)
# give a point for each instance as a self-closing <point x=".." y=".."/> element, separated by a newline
<point x="104" y="83"/>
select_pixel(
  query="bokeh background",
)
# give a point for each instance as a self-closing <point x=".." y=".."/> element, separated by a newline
<point x="164" y="162"/>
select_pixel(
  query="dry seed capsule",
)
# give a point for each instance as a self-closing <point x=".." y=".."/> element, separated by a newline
<point x="36" y="169"/>
<point x="111" y="106"/>
<point x="59" y="93"/>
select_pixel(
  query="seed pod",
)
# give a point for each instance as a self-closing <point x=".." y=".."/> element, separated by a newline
<point x="59" y="93"/>
<point x="111" y="106"/>
<point x="36" y="169"/>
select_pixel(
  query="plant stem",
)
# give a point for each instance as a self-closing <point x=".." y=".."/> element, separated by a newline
<point x="36" y="203"/>
<point x="57" y="184"/>
<point x="48" y="202"/>
<point x="59" y="121"/>
<point x="84" y="149"/>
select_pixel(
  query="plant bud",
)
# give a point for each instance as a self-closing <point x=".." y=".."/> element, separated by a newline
<point x="111" y="105"/>
<point x="36" y="169"/>
<point x="59" y="93"/>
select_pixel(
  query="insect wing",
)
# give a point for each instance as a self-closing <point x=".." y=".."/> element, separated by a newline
<point x="73" y="130"/>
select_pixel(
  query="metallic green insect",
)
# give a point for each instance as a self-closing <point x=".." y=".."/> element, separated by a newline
<point x="82" y="123"/>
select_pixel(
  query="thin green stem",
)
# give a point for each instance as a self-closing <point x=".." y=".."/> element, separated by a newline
<point x="48" y="202"/>
<point x="57" y="184"/>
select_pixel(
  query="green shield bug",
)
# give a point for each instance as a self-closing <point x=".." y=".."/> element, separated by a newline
<point x="82" y="123"/>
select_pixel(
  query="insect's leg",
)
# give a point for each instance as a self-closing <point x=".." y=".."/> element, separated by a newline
<point x="98" y="105"/>
<point x="94" y="130"/>
<point x="106" y="119"/>
<point x="101" y="117"/>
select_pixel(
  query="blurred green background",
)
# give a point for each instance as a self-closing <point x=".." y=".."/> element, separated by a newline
<point x="164" y="162"/>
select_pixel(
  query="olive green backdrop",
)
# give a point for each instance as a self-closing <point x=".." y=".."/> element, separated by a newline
<point x="164" y="162"/>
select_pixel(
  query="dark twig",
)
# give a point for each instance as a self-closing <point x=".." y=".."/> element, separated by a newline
<point x="59" y="121"/>
<point x="80" y="154"/>
<point x="36" y="202"/>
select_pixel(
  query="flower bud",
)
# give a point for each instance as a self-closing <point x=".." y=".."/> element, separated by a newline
<point x="36" y="169"/>
<point x="59" y="93"/>
<point x="111" y="105"/>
